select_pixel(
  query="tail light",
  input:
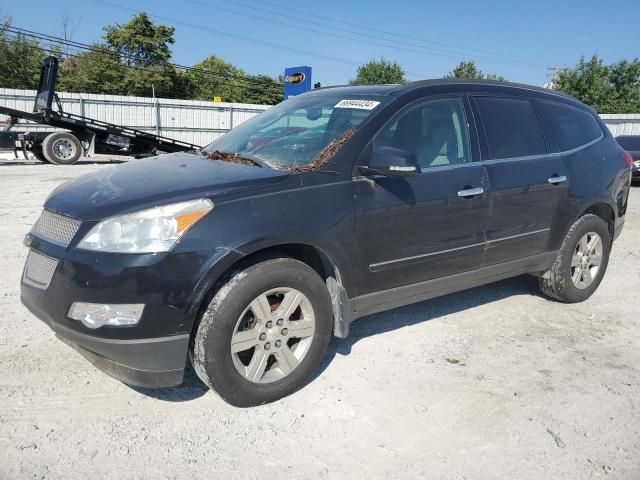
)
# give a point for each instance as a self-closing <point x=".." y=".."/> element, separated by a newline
<point x="628" y="159"/>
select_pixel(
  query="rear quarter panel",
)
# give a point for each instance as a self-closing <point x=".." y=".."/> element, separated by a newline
<point x="597" y="174"/>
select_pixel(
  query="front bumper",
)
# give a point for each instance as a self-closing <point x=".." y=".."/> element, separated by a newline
<point x="151" y="363"/>
<point x="153" y="353"/>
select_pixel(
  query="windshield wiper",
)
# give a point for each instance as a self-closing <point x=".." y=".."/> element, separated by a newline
<point x="243" y="159"/>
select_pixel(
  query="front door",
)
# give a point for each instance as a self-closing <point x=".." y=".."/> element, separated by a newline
<point x="413" y="229"/>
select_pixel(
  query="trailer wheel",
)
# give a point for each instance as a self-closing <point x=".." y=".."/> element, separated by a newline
<point x="61" y="148"/>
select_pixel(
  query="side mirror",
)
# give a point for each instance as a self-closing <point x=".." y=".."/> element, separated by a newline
<point x="391" y="162"/>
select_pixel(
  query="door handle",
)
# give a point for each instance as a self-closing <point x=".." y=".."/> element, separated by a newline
<point x="557" y="179"/>
<point x="471" y="192"/>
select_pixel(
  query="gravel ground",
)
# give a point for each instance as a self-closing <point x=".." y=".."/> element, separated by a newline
<point x="494" y="382"/>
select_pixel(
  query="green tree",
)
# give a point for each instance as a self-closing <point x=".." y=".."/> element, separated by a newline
<point x="607" y="88"/>
<point x="213" y="77"/>
<point x="20" y="60"/>
<point x="95" y="71"/>
<point x="133" y="60"/>
<point x="379" y="72"/>
<point x="470" y="70"/>
<point x="141" y="42"/>
<point x="263" y="90"/>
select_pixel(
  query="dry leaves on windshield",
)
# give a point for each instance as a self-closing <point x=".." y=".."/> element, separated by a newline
<point x="327" y="153"/>
<point x="228" y="157"/>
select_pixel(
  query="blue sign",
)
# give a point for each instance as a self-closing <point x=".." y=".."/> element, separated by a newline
<point x="297" y="80"/>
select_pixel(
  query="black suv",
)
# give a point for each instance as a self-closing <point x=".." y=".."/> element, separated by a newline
<point x="249" y="255"/>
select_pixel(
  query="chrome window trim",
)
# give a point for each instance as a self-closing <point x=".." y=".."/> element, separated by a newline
<point x="437" y="168"/>
<point x="375" y="266"/>
<point x="546" y="155"/>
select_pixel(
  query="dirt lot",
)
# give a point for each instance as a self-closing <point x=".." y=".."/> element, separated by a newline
<point x="495" y="382"/>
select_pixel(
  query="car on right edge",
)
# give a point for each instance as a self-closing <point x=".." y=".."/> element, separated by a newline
<point x="631" y="143"/>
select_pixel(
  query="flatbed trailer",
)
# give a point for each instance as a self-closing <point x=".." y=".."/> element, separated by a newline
<point x="83" y="135"/>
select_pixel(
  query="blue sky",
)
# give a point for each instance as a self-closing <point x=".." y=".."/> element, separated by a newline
<point x="428" y="38"/>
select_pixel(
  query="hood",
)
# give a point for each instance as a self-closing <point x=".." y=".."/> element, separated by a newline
<point x="148" y="182"/>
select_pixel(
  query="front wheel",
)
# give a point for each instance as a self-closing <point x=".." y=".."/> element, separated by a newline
<point x="581" y="261"/>
<point x="264" y="332"/>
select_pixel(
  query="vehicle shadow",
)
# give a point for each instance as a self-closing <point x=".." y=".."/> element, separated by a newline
<point x="190" y="389"/>
<point x="377" y="324"/>
<point x="425" y="311"/>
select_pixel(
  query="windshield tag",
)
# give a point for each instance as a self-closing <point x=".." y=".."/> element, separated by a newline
<point x="358" y="104"/>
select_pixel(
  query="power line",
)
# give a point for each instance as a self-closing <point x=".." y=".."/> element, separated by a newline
<point x="247" y="39"/>
<point x="377" y="31"/>
<point x="83" y="47"/>
<point x="414" y="48"/>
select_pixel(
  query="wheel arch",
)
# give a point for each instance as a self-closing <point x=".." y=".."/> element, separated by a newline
<point x="603" y="210"/>
<point x="315" y="257"/>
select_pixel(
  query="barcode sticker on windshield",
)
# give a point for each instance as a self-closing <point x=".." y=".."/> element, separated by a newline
<point x="359" y="104"/>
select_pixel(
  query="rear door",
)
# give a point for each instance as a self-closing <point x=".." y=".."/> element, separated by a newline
<point x="528" y="180"/>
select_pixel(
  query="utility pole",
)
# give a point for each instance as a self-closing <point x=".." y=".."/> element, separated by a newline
<point x="552" y="76"/>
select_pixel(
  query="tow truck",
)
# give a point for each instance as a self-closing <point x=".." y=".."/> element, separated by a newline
<point x="82" y="135"/>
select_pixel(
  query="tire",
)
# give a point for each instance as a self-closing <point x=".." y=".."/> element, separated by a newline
<point x="61" y="148"/>
<point x="232" y="312"/>
<point x="565" y="281"/>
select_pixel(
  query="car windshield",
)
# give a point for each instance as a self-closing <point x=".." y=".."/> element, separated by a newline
<point x="295" y="133"/>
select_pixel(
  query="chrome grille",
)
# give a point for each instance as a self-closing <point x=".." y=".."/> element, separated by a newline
<point x="55" y="227"/>
<point x="38" y="270"/>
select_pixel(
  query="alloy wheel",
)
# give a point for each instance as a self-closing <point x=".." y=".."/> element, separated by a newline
<point x="273" y="335"/>
<point x="586" y="260"/>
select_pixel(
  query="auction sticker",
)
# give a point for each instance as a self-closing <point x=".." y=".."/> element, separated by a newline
<point x="358" y="104"/>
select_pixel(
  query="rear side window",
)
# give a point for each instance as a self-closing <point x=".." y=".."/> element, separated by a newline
<point x="572" y="127"/>
<point x="511" y="126"/>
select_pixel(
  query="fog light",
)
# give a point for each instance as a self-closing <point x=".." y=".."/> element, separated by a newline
<point x="96" y="315"/>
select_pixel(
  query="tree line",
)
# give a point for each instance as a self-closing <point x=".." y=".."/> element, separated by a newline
<point x="135" y="59"/>
<point x="130" y="59"/>
<point x="611" y="88"/>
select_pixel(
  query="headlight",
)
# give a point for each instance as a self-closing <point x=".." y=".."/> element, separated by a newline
<point x="148" y="231"/>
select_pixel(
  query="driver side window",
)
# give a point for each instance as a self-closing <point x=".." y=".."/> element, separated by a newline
<point x="435" y="131"/>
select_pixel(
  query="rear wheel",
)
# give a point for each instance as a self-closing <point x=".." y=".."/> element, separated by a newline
<point x="61" y="148"/>
<point x="581" y="261"/>
<point x="264" y="332"/>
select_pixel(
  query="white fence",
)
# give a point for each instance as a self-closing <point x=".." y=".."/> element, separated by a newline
<point x="191" y="121"/>
<point x="622" y="123"/>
